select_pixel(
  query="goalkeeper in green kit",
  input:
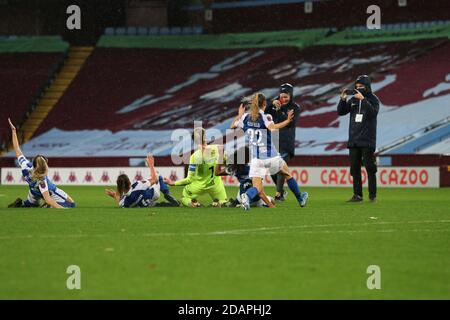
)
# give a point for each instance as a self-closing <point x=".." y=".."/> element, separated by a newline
<point x="202" y="178"/>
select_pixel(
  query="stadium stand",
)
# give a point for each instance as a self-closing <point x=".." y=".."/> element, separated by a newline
<point x="270" y="15"/>
<point x="146" y="85"/>
<point x="143" y="31"/>
<point x="442" y="147"/>
<point x="210" y="89"/>
<point x="27" y="64"/>
<point x="429" y="140"/>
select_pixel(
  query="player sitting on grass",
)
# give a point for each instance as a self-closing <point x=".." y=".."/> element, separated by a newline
<point x="142" y="194"/>
<point x="42" y="193"/>
<point x="240" y="171"/>
<point x="257" y="127"/>
<point x="202" y="178"/>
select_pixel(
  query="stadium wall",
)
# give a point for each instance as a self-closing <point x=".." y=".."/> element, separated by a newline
<point x="393" y="177"/>
<point x="426" y="171"/>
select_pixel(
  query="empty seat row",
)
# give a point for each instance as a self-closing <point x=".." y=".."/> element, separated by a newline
<point x="406" y="25"/>
<point x="152" y="31"/>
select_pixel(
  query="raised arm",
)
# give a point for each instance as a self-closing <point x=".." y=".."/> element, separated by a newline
<point x="151" y="164"/>
<point x="343" y="107"/>
<point x="372" y="106"/>
<point x="241" y="112"/>
<point x="15" y="141"/>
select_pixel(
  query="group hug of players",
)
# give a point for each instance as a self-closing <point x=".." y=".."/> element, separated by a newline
<point x="249" y="164"/>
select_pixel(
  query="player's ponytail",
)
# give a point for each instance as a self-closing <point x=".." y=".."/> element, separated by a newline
<point x="256" y="105"/>
<point x="40" y="169"/>
<point x="123" y="184"/>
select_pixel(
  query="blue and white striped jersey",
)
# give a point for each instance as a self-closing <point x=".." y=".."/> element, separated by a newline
<point x="259" y="137"/>
<point x="36" y="187"/>
<point x="142" y="194"/>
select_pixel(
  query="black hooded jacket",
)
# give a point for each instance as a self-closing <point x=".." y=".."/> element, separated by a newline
<point x="361" y="134"/>
<point x="286" y="134"/>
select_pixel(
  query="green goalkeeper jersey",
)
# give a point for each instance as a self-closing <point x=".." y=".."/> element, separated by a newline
<point x="202" y="167"/>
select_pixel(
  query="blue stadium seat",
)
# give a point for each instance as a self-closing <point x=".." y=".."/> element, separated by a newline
<point x="109" y="31"/>
<point x="175" y="30"/>
<point x="131" y="31"/>
<point x="198" y="30"/>
<point x="164" y="31"/>
<point x="153" y="30"/>
<point x="142" y="31"/>
<point x="187" y="30"/>
<point x="120" y="31"/>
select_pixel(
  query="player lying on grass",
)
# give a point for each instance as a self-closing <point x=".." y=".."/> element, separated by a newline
<point x="202" y="178"/>
<point x="142" y="194"/>
<point x="264" y="157"/>
<point x="42" y="191"/>
<point x="240" y="171"/>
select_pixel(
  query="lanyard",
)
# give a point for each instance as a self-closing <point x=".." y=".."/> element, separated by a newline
<point x="359" y="110"/>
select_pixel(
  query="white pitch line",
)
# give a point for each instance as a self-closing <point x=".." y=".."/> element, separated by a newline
<point x="261" y="230"/>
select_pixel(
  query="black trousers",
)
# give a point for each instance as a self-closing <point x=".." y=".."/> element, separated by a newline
<point x="279" y="179"/>
<point x="366" y="156"/>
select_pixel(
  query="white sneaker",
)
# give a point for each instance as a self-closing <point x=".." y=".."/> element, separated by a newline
<point x="245" y="201"/>
<point x="304" y="199"/>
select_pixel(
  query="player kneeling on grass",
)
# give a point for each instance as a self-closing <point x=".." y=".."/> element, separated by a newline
<point x="202" y="178"/>
<point x="142" y="194"/>
<point x="42" y="193"/>
<point x="257" y="127"/>
<point x="241" y="172"/>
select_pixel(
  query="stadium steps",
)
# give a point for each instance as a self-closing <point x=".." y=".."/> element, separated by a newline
<point x="75" y="59"/>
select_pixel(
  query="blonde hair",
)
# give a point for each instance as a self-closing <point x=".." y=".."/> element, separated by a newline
<point x="256" y="105"/>
<point x="40" y="170"/>
<point x="199" y="136"/>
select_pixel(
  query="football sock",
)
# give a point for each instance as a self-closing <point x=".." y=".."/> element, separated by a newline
<point x="163" y="186"/>
<point x="293" y="186"/>
<point x="252" y="193"/>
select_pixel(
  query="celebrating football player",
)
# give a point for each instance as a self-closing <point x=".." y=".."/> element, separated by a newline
<point x="42" y="191"/>
<point x="142" y="194"/>
<point x="265" y="158"/>
<point x="202" y="178"/>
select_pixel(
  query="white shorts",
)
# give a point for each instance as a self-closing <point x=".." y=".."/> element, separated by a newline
<point x="260" y="168"/>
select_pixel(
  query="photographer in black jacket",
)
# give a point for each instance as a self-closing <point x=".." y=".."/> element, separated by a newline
<point x="278" y="109"/>
<point x="363" y="108"/>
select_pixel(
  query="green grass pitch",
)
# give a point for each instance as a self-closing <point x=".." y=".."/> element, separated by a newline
<point x="318" y="252"/>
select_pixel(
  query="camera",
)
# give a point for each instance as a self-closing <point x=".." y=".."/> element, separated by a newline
<point x="350" y="92"/>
